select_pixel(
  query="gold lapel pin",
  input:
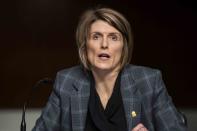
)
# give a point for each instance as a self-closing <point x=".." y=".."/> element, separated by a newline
<point x="133" y="114"/>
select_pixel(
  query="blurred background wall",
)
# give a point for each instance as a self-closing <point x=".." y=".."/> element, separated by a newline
<point x="38" y="39"/>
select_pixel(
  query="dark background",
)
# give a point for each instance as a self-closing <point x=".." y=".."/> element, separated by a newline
<point x="38" y="39"/>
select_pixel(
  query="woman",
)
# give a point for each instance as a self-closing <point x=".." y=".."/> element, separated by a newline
<point x="106" y="93"/>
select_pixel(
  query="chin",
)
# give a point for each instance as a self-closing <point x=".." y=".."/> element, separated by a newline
<point x="104" y="67"/>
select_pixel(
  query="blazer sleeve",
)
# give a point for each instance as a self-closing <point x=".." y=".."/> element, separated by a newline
<point x="50" y="116"/>
<point x="165" y="115"/>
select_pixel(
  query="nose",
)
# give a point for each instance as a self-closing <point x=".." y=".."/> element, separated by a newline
<point x="104" y="43"/>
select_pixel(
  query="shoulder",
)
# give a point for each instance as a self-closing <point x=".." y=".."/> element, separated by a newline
<point x="72" y="72"/>
<point x="144" y="78"/>
<point x="140" y="72"/>
<point x="66" y="79"/>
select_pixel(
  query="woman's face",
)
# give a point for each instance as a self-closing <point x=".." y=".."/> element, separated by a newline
<point x="104" y="46"/>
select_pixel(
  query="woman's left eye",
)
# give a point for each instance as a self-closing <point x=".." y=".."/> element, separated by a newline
<point x="114" y="38"/>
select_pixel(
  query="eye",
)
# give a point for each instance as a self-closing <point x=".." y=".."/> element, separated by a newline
<point x="114" y="37"/>
<point x="95" y="36"/>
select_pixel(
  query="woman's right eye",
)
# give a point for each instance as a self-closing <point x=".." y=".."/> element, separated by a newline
<point x="95" y="37"/>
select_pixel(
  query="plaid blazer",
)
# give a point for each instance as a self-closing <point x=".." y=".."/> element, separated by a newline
<point x="144" y="95"/>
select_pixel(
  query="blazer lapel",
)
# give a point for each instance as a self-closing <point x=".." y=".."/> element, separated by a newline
<point x="79" y="104"/>
<point x="131" y="100"/>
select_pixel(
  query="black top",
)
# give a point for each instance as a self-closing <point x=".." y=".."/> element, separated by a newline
<point x="112" y="118"/>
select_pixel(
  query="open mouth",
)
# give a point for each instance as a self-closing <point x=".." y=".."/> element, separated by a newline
<point x="103" y="55"/>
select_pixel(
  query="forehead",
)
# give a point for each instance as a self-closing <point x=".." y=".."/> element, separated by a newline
<point x="102" y="27"/>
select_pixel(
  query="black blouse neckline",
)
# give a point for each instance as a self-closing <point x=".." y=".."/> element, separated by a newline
<point x="110" y="118"/>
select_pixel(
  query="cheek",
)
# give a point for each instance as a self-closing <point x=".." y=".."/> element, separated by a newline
<point x="117" y="55"/>
<point x="91" y="52"/>
<point x="118" y="51"/>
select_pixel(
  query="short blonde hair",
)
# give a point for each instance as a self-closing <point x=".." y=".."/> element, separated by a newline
<point x="113" y="18"/>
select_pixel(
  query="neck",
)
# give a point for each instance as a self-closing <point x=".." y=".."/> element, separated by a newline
<point x="104" y="83"/>
<point x="105" y="80"/>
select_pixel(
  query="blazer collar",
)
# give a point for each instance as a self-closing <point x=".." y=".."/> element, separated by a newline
<point x="83" y="79"/>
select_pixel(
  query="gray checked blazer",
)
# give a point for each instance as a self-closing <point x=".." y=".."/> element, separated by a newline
<point x="144" y="95"/>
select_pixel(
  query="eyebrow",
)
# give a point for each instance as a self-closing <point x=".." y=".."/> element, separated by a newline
<point x="114" y="33"/>
<point x="97" y="33"/>
<point x="111" y="33"/>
